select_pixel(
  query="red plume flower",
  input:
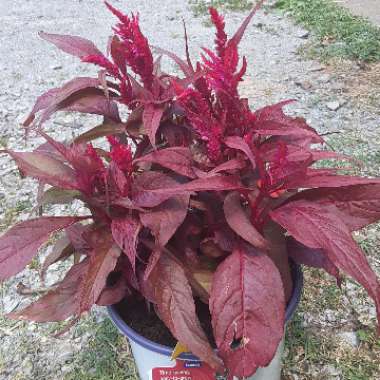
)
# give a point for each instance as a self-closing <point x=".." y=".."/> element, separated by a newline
<point x="137" y="51"/>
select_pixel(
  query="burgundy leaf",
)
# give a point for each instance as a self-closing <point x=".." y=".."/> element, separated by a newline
<point x="76" y="233"/>
<point x="239" y="143"/>
<point x="327" y="178"/>
<point x="177" y="159"/>
<point x="144" y="185"/>
<point x="105" y="129"/>
<point x="233" y="164"/>
<point x="164" y="220"/>
<point x="248" y="316"/>
<point x="73" y="45"/>
<point x="215" y="183"/>
<point x="184" y="66"/>
<point x="153" y="260"/>
<point x="45" y="169"/>
<point x="111" y="295"/>
<point x="311" y="257"/>
<point x="360" y="204"/>
<point x="240" y="32"/>
<point x="117" y="54"/>
<point x="62" y="249"/>
<point x="239" y="221"/>
<point x="55" y="195"/>
<point x="50" y="101"/>
<point x="102" y="262"/>
<point x="43" y="101"/>
<point x="151" y="119"/>
<point x="271" y="120"/>
<point x="20" y="243"/>
<point x="125" y="231"/>
<point x="323" y="227"/>
<point x="92" y="101"/>
<point x="175" y="306"/>
<point x="57" y="304"/>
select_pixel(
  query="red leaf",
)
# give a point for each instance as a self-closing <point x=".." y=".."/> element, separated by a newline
<point x="175" y="306"/>
<point x="102" y="262"/>
<point x="73" y="45"/>
<point x="57" y="304"/>
<point x="215" y="183"/>
<point x="50" y="101"/>
<point x="239" y="221"/>
<point x="145" y="183"/>
<point x="240" y="32"/>
<point x="164" y="220"/>
<point x="237" y="142"/>
<point x="360" y="204"/>
<point x="233" y="164"/>
<point x="76" y="233"/>
<point x="46" y="169"/>
<point x="125" y="232"/>
<point x="177" y="159"/>
<point x="248" y="316"/>
<point x="184" y="66"/>
<point x="92" y="101"/>
<point x="111" y="295"/>
<point x="61" y="250"/>
<point x="311" y="257"/>
<point x="152" y="115"/>
<point x="327" y="178"/>
<point x="101" y="130"/>
<point x="271" y="120"/>
<point x="323" y="227"/>
<point x="153" y="260"/>
<point x="20" y="243"/>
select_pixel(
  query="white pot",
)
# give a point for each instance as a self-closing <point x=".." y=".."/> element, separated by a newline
<point x="150" y="355"/>
<point x="146" y="360"/>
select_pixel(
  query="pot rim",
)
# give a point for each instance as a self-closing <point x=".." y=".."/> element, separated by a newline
<point x="117" y="320"/>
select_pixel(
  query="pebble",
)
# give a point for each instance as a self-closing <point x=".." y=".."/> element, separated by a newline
<point x="333" y="106"/>
<point x="303" y="34"/>
<point x="350" y="337"/>
<point x="330" y="370"/>
<point x="324" y="78"/>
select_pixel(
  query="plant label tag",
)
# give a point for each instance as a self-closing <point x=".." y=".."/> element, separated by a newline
<point x="184" y="370"/>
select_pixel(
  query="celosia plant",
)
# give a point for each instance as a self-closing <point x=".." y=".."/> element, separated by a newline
<point x="197" y="196"/>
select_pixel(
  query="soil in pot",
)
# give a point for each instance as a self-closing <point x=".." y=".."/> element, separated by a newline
<point x="145" y="321"/>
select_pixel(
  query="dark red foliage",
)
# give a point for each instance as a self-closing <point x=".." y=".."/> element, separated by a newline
<point x="193" y="195"/>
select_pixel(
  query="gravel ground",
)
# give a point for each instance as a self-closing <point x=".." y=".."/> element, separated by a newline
<point x="342" y="98"/>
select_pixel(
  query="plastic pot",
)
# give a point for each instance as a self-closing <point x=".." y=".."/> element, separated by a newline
<point x="152" y="358"/>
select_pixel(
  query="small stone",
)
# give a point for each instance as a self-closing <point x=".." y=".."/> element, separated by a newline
<point x="305" y="85"/>
<point x="350" y="338"/>
<point x="325" y="78"/>
<point x="66" y="353"/>
<point x="330" y="315"/>
<point x="317" y="67"/>
<point x="56" y="67"/>
<point x="10" y="304"/>
<point x="303" y="34"/>
<point x="330" y="370"/>
<point x="333" y="106"/>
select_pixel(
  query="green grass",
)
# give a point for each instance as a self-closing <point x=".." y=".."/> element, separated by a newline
<point x="105" y="357"/>
<point x="200" y="7"/>
<point x="338" y="32"/>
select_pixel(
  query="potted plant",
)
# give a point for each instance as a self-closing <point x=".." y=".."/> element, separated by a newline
<point x="197" y="205"/>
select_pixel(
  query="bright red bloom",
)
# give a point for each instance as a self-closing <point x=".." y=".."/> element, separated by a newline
<point x="121" y="154"/>
<point x="221" y="36"/>
<point x="202" y="120"/>
<point x="102" y="61"/>
<point x="137" y="51"/>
